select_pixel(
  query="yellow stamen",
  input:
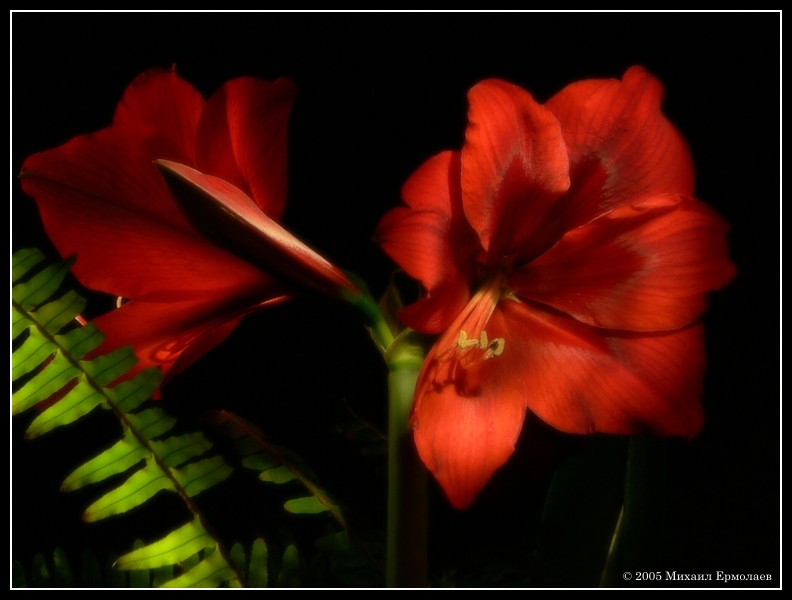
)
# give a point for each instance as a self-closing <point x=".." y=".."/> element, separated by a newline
<point x="491" y="348"/>
<point x="464" y="342"/>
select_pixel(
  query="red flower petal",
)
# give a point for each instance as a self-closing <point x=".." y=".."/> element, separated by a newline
<point x="435" y="312"/>
<point x="645" y="266"/>
<point x="172" y="335"/>
<point x="225" y="213"/>
<point x="242" y="139"/>
<point x="469" y="408"/>
<point x="432" y="242"/>
<point x="101" y="198"/>
<point x="621" y="146"/>
<point x="162" y="109"/>
<point x="580" y="380"/>
<point x="514" y="165"/>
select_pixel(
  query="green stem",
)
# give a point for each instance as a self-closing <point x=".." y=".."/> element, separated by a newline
<point x="380" y="330"/>
<point x="407" y="522"/>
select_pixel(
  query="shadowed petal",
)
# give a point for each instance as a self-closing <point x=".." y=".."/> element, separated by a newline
<point x="101" y="199"/>
<point x="173" y="335"/>
<point x="645" y="266"/>
<point x="432" y="242"/>
<point x="581" y="380"/>
<point x="222" y="212"/>
<point x="621" y="146"/>
<point x="242" y="139"/>
<point x="162" y="109"/>
<point x="514" y="165"/>
<point x="471" y="398"/>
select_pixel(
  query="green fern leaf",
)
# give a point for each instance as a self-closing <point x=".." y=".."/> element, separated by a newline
<point x="81" y="400"/>
<point x="210" y="572"/>
<point x="161" y="575"/>
<point x="23" y="262"/>
<point x="63" y="572"/>
<point x="258" y="575"/>
<point x="309" y="505"/>
<point x="151" y="423"/>
<point x="18" y="579"/>
<point x="56" y="315"/>
<point x="278" y="475"/>
<point x="279" y="465"/>
<point x="105" y="369"/>
<point x="177" y="450"/>
<point x="200" y="476"/>
<point x="32" y="353"/>
<point x="51" y="379"/>
<point x="130" y="394"/>
<point x="79" y="342"/>
<point x="41" y="286"/>
<point x="177" y="546"/>
<point x="133" y="492"/>
<point x="122" y="455"/>
<point x="290" y="571"/>
<point x="49" y="360"/>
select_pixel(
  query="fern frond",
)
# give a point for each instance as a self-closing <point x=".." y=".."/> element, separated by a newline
<point x="55" y="569"/>
<point x="49" y="359"/>
<point x="280" y="465"/>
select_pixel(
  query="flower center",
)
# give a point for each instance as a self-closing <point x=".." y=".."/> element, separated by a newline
<point x="489" y="349"/>
<point x="468" y="344"/>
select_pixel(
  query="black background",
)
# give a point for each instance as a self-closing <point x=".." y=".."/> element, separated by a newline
<point x="379" y="93"/>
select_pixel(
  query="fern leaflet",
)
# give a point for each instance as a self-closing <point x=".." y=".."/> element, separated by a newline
<point x="49" y="365"/>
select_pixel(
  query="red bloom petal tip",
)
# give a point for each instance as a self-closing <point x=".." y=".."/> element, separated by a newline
<point x="226" y="214"/>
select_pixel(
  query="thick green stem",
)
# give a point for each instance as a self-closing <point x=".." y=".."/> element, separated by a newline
<point x="407" y="522"/>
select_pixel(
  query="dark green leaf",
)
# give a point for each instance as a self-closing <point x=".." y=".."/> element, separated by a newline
<point x="581" y="509"/>
<point x="258" y="576"/>
<point x="151" y="423"/>
<point x="63" y="572"/>
<point x="129" y="395"/>
<point x="18" y="579"/>
<point x="278" y="475"/>
<point x="259" y="462"/>
<point x="289" y="575"/>
<point x="176" y="450"/>
<point x="23" y="261"/>
<point x="210" y="572"/>
<point x="308" y="505"/>
<point x="201" y="475"/>
<point x="41" y="286"/>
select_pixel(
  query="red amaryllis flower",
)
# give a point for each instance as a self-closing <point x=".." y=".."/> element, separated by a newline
<point x="566" y="263"/>
<point x="102" y="197"/>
